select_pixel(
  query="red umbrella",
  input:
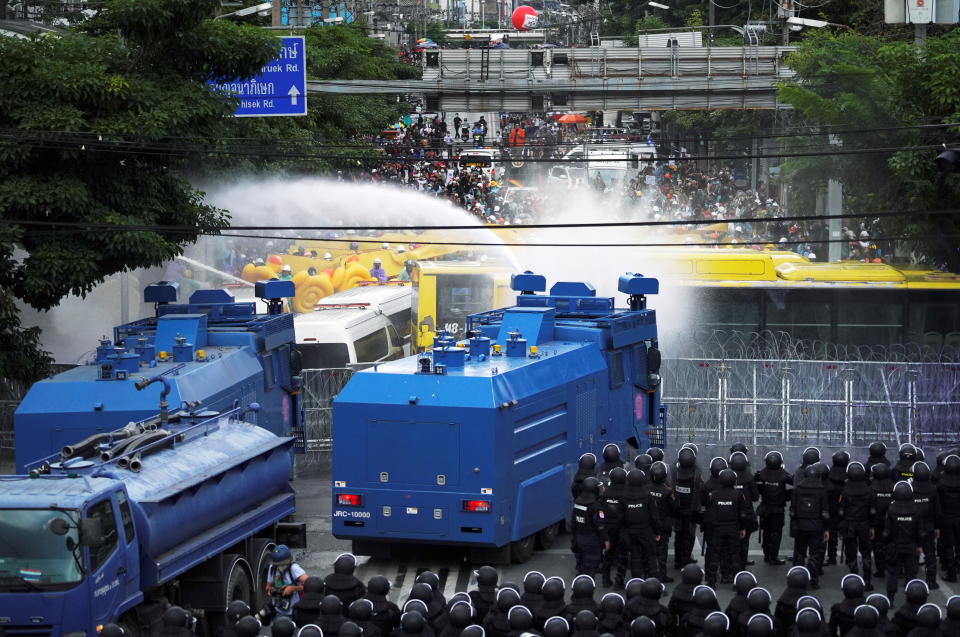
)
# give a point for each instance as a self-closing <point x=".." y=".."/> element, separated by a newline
<point x="573" y="118"/>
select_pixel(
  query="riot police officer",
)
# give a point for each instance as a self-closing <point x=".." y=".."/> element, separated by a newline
<point x="611" y="460"/>
<point x="586" y="468"/>
<point x="948" y="490"/>
<point x="902" y="531"/>
<point x="711" y="484"/>
<point x="856" y="512"/>
<point x="773" y="484"/>
<point x="903" y="470"/>
<point x="810" y="456"/>
<point x="878" y="455"/>
<point x="836" y="477"/>
<point x="746" y="485"/>
<point x="687" y="486"/>
<point x="665" y="500"/>
<point x="809" y="513"/>
<point x="726" y="516"/>
<point x="928" y="507"/>
<point x="882" y="487"/>
<point x="613" y="508"/>
<point x="642" y="526"/>
<point x="590" y="537"/>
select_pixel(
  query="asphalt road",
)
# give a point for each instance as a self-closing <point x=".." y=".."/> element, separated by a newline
<point x="456" y="572"/>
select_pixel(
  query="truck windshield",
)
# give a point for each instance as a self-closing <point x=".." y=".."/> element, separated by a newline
<point x="32" y="556"/>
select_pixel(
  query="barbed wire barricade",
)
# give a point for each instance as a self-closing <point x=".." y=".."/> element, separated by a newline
<point x="770" y="390"/>
<point x="320" y="387"/>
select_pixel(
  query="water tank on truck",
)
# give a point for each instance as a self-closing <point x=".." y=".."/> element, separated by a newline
<point x="115" y="527"/>
<point x="210" y="350"/>
<point x="475" y="443"/>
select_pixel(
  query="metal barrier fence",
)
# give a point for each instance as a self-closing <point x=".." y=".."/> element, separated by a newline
<point x="320" y="387"/>
<point x="798" y="402"/>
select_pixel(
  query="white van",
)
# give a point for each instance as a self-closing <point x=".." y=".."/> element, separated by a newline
<point x="355" y="328"/>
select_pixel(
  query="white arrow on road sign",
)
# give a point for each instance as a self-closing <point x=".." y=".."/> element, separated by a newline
<point x="293" y="93"/>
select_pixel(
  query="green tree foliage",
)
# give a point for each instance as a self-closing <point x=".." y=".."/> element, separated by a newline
<point x="851" y="81"/>
<point x="136" y="73"/>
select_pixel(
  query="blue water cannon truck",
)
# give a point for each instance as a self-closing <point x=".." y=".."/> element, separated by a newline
<point x="211" y="350"/>
<point x="184" y="510"/>
<point x="475" y="443"/>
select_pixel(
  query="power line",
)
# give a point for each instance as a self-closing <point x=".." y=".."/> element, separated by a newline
<point x="86" y="226"/>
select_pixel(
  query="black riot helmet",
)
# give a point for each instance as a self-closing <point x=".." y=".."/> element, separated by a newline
<point x="633" y="587"/>
<point x="533" y="582"/>
<point x="691" y="574"/>
<point x="758" y="599"/>
<point x="908" y="453"/>
<point x="553" y="589"/>
<point x="347" y="629"/>
<point x="360" y="610"/>
<point x="902" y="491"/>
<point x="477" y="631"/>
<point x="929" y="616"/>
<point x="507" y="598"/>
<point x="822" y="470"/>
<point x="880" y="602"/>
<point x="841" y="459"/>
<point x="856" y="472"/>
<point x="612" y="604"/>
<point x="811" y="455"/>
<point x="852" y="586"/>
<point x="705" y="598"/>
<point x="877" y="450"/>
<point x="716" y="624"/>
<point x="691" y="446"/>
<point x="430" y="578"/>
<point x="520" y="618"/>
<point x="658" y="472"/>
<point x="866" y="617"/>
<point x="412" y="622"/>
<point x="798" y="577"/>
<point x="717" y="465"/>
<point x="591" y="486"/>
<point x="951" y="465"/>
<point x="687" y="458"/>
<point x="760" y="625"/>
<point x="345" y="564"/>
<point x="583" y="586"/>
<point x="250" y="626"/>
<point x="728" y="478"/>
<point x="611" y="453"/>
<point x="811" y="471"/>
<point x="380" y="585"/>
<point x="461" y="614"/>
<point x="487" y="575"/>
<point x="618" y="476"/>
<point x="953" y="608"/>
<point x="176" y="617"/>
<point x="412" y="606"/>
<point x="808" y="620"/>
<point x="773" y="460"/>
<point x="556" y="627"/>
<point x="880" y="471"/>
<point x="588" y="462"/>
<point x="744" y="582"/>
<point x="643" y="462"/>
<point x="636" y="478"/>
<point x="584" y="620"/>
<point x="331" y="605"/>
<point x="739" y="446"/>
<point x="643" y="626"/>
<point x="920" y="454"/>
<point x="916" y="591"/>
<point x="921" y="472"/>
<point x="738" y="461"/>
<point x="656" y="453"/>
<point x="235" y="610"/>
<point x="652" y="589"/>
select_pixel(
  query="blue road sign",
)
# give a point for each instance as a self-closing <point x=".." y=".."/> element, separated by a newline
<point x="280" y="90"/>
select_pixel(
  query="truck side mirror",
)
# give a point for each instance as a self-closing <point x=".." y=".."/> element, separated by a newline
<point x="91" y="532"/>
<point x="58" y="526"/>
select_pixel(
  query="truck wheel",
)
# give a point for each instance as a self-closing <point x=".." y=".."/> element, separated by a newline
<point x="237" y="584"/>
<point x="260" y="558"/>
<point x="546" y="537"/>
<point x="522" y="550"/>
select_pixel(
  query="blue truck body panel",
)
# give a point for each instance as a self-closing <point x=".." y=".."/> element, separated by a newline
<point x="499" y="420"/>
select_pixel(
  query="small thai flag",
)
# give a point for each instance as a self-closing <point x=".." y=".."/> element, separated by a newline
<point x="515" y="182"/>
<point x="30" y="575"/>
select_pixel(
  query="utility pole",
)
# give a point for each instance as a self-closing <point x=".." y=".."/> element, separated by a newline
<point x="711" y="21"/>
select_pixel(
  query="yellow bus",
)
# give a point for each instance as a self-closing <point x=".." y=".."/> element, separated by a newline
<point x="846" y="303"/>
<point x="446" y="292"/>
